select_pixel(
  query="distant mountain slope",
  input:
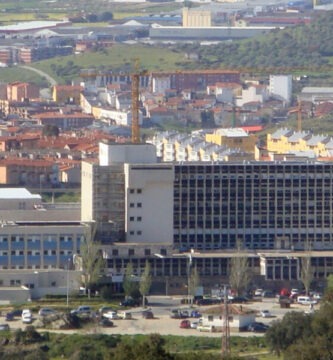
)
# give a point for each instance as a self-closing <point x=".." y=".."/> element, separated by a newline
<point x="303" y="46"/>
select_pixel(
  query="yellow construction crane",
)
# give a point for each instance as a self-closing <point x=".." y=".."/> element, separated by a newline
<point x="135" y="94"/>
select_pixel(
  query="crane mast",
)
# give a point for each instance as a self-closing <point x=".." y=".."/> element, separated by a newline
<point x="135" y="108"/>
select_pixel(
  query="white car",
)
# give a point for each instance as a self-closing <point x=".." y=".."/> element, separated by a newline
<point x="195" y="324"/>
<point x="265" y="313"/>
<point x="112" y="315"/>
<point x="26" y="316"/>
<point x="258" y="292"/>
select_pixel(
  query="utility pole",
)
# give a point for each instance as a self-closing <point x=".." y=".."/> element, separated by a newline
<point x="225" y="346"/>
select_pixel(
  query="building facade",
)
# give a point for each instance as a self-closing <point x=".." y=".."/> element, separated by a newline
<point x="274" y="208"/>
<point x="280" y="86"/>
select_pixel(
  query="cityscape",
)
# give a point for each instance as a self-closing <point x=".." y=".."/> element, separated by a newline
<point x="191" y="199"/>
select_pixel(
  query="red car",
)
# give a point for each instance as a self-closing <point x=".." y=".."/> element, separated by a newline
<point x="185" y="324"/>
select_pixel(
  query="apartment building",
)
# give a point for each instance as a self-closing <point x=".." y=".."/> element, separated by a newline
<point x="196" y="18"/>
<point x="284" y="141"/>
<point x="193" y="79"/>
<point x="173" y="211"/>
<point x="20" y="91"/>
<point x="36" y="172"/>
<point x="280" y="86"/>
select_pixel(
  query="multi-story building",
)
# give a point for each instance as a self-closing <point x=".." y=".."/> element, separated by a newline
<point x="196" y="18"/>
<point x="173" y="211"/>
<point x="28" y="55"/>
<point x="38" y="243"/>
<point x="20" y="91"/>
<point x="280" y="86"/>
<point x="194" y="80"/>
<point x="65" y="120"/>
<point x="36" y="172"/>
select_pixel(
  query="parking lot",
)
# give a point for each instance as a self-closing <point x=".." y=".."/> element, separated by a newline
<point x="163" y="324"/>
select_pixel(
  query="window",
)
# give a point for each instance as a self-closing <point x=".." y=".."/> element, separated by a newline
<point x="132" y="205"/>
<point x="131" y="218"/>
<point x="139" y="232"/>
<point x="115" y="252"/>
<point x="139" y="191"/>
<point x="132" y="232"/>
<point x="163" y="252"/>
<point x="147" y="252"/>
<point x="139" y="205"/>
<point x="130" y="252"/>
<point x="139" y="218"/>
<point x="131" y="191"/>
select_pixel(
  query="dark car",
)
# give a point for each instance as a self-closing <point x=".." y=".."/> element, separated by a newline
<point x="105" y="322"/>
<point x="239" y="300"/>
<point x="205" y="302"/>
<point x="9" y="316"/>
<point x="130" y="302"/>
<point x="147" y="314"/>
<point x="4" y="327"/>
<point x="195" y="314"/>
<point x="257" y="327"/>
<point x="12" y="314"/>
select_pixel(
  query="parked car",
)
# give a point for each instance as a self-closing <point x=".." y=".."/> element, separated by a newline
<point x="105" y="322"/>
<point x="305" y="300"/>
<point x="12" y="314"/>
<point x="179" y="314"/>
<point x="268" y="294"/>
<point x="147" y="314"/>
<point x="26" y="316"/>
<point x="265" y="314"/>
<point x="82" y="310"/>
<point x="9" y="316"/>
<point x="112" y="315"/>
<point x="257" y="327"/>
<point x="46" y="312"/>
<point x="125" y="315"/>
<point x="185" y="324"/>
<point x="195" y="324"/>
<point x="208" y="328"/>
<point x="102" y="310"/>
<point x="130" y="302"/>
<point x="195" y="314"/>
<point x="258" y="292"/>
<point x="238" y="300"/>
<point x="4" y="327"/>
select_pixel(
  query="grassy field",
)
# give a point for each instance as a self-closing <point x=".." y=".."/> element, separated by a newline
<point x="16" y="74"/>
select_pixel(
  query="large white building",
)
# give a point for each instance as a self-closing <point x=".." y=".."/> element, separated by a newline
<point x="166" y="212"/>
<point x="280" y="86"/>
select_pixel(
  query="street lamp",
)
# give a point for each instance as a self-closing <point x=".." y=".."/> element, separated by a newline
<point x="189" y="257"/>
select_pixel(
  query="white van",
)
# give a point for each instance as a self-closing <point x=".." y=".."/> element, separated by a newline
<point x="305" y="300"/>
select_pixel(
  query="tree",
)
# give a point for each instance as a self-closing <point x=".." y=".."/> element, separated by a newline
<point x="129" y="285"/>
<point x="145" y="282"/>
<point x="92" y="262"/>
<point x="50" y="130"/>
<point x="193" y="283"/>
<point x="293" y="327"/>
<point x="240" y="273"/>
<point x="306" y="268"/>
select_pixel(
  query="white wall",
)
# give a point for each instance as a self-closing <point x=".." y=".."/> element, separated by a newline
<point x="152" y="187"/>
<point x="126" y="153"/>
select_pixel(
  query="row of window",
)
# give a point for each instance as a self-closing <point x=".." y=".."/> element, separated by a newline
<point x="34" y="253"/>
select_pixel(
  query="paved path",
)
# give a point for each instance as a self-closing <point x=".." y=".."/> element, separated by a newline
<point x="49" y="78"/>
